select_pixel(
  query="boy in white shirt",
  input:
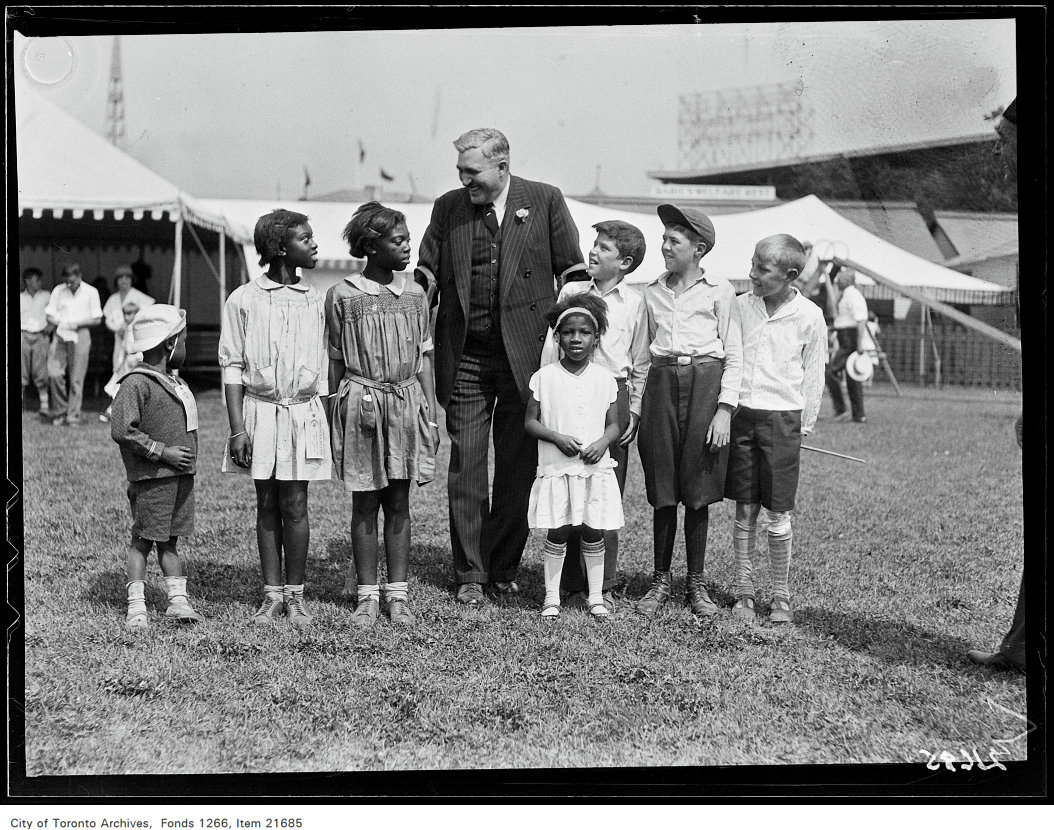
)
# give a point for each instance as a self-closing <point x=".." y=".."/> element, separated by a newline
<point x="784" y="351"/>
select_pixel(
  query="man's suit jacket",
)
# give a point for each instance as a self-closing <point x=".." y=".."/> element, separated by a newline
<point x="538" y="250"/>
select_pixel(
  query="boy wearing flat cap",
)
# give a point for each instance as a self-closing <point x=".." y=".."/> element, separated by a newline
<point x="154" y="420"/>
<point x="696" y="348"/>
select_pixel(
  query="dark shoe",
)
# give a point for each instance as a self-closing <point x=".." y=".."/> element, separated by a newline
<point x="399" y="612"/>
<point x="506" y="587"/>
<point x="841" y="416"/>
<point x="44" y="417"/>
<point x="268" y="612"/>
<point x="366" y="613"/>
<point x="697" y="598"/>
<point x="861" y="420"/>
<point x="657" y="596"/>
<point x="781" y="611"/>
<point x="744" y="609"/>
<point x="470" y="593"/>
<point x="995" y="660"/>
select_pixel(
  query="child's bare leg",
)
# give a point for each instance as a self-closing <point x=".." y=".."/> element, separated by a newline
<point x="395" y="498"/>
<point x="269" y="531"/>
<point x="364" y="546"/>
<point x="135" y="572"/>
<point x="593" y="557"/>
<point x="269" y="542"/>
<point x="178" y="604"/>
<point x="552" y="566"/>
<point x="296" y="536"/>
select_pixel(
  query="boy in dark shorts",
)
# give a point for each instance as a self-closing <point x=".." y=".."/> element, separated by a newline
<point x="692" y="388"/>
<point x="784" y="354"/>
<point x="154" y="420"/>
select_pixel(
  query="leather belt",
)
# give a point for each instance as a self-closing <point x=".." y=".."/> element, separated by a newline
<point x="682" y="359"/>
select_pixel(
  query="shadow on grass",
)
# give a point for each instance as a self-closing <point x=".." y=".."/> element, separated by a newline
<point x="211" y="582"/>
<point x="894" y="641"/>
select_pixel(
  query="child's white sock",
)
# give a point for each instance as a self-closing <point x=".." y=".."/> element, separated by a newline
<point x="136" y="598"/>
<point x="552" y="568"/>
<point x="396" y="590"/>
<point x="743" y="544"/>
<point x="593" y="556"/>
<point x="781" y="539"/>
<point x="43" y="401"/>
<point x="274" y="592"/>
<point x="178" y="604"/>
<point x="369" y="592"/>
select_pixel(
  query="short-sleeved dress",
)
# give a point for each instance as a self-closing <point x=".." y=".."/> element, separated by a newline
<point x="380" y="428"/>
<point x="273" y="342"/>
<point x="567" y="491"/>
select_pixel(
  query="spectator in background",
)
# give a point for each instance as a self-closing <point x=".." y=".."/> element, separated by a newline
<point x="100" y="285"/>
<point x="850" y="325"/>
<point x="36" y="335"/>
<point x="113" y="310"/>
<point x="73" y="309"/>
<point x="1011" y="652"/>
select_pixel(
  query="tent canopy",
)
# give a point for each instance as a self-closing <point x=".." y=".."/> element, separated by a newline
<point x="68" y="169"/>
<point x="808" y="219"/>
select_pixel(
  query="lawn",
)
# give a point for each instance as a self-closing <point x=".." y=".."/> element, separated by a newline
<point x="900" y="566"/>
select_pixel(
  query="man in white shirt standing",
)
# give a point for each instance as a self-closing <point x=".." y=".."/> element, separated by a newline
<point x="850" y="325"/>
<point x="36" y="335"/>
<point x="73" y="309"/>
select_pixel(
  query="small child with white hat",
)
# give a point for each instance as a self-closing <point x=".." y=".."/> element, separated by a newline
<point x="154" y="420"/>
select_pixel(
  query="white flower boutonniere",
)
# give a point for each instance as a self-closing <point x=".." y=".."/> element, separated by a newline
<point x="522" y="214"/>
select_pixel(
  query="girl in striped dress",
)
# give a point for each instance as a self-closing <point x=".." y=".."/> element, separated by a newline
<point x="384" y="429"/>
<point x="273" y="357"/>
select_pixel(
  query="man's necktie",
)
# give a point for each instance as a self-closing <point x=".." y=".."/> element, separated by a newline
<point x="490" y="219"/>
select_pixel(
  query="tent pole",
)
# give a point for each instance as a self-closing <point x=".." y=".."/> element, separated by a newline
<point x="175" y="290"/>
<point x="941" y="308"/>
<point x="922" y="346"/>
<point x="223" y="270"/>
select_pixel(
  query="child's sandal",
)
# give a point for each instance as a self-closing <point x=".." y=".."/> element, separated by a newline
<point x="599" y="609"/>
<point x="551" y="611"/>
<point x="137" y="621"/>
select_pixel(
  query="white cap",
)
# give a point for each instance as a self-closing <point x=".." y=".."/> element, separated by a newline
<point x="154" y="324"/>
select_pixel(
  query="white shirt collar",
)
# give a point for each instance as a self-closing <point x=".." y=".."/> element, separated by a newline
<point x="367" y="286"/>
<point x="268" y="284"/>
<point x="619" y="287"/>
<point x="502" y="198"/>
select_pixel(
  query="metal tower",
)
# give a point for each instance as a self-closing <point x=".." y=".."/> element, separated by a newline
<point x="115" y="99"/>
<point x="742" y="127"/>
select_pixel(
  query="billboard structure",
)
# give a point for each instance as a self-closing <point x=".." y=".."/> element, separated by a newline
<point x="743" y="128"/>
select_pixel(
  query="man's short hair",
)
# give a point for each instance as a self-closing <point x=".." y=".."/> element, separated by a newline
<point x="627" y="238"/>
<point x="492" y="143"/>
<point x="784" y="251"/>
<point x="32" y="271"/>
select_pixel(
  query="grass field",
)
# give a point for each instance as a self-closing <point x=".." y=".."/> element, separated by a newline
<point x="900" y="566"/>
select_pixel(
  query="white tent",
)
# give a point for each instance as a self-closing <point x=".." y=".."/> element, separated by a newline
<point x="69" y="171"/>
<point x="807" y="219"/>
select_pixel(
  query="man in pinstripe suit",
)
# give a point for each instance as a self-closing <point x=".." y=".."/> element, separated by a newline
<point x="493" y="255"/>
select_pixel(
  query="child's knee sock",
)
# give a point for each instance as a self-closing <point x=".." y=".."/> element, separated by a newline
<point x="552" y="567"/>
<point x="781" y="537"/>
<point x="136" y="598"/>
<point x="593" y="555"/>
<point x="696" y="526"/>
<point x="743" y="536"/>
<point x="664" y="529"/>
<point x="396" y="590"/>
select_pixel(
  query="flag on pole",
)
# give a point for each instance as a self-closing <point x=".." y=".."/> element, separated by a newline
<point x="307" y="178"/>
<point x="387" y="176"/>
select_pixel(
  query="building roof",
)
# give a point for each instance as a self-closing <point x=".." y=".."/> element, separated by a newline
<point x="974" y="234"/>
<point x="701" y="176"/>
<point x="896" y="222"/>
<point x="1005" y="250"/>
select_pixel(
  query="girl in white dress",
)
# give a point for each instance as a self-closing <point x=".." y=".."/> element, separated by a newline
<point x="273" y="357"/>
<point x="573" y="414"/>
